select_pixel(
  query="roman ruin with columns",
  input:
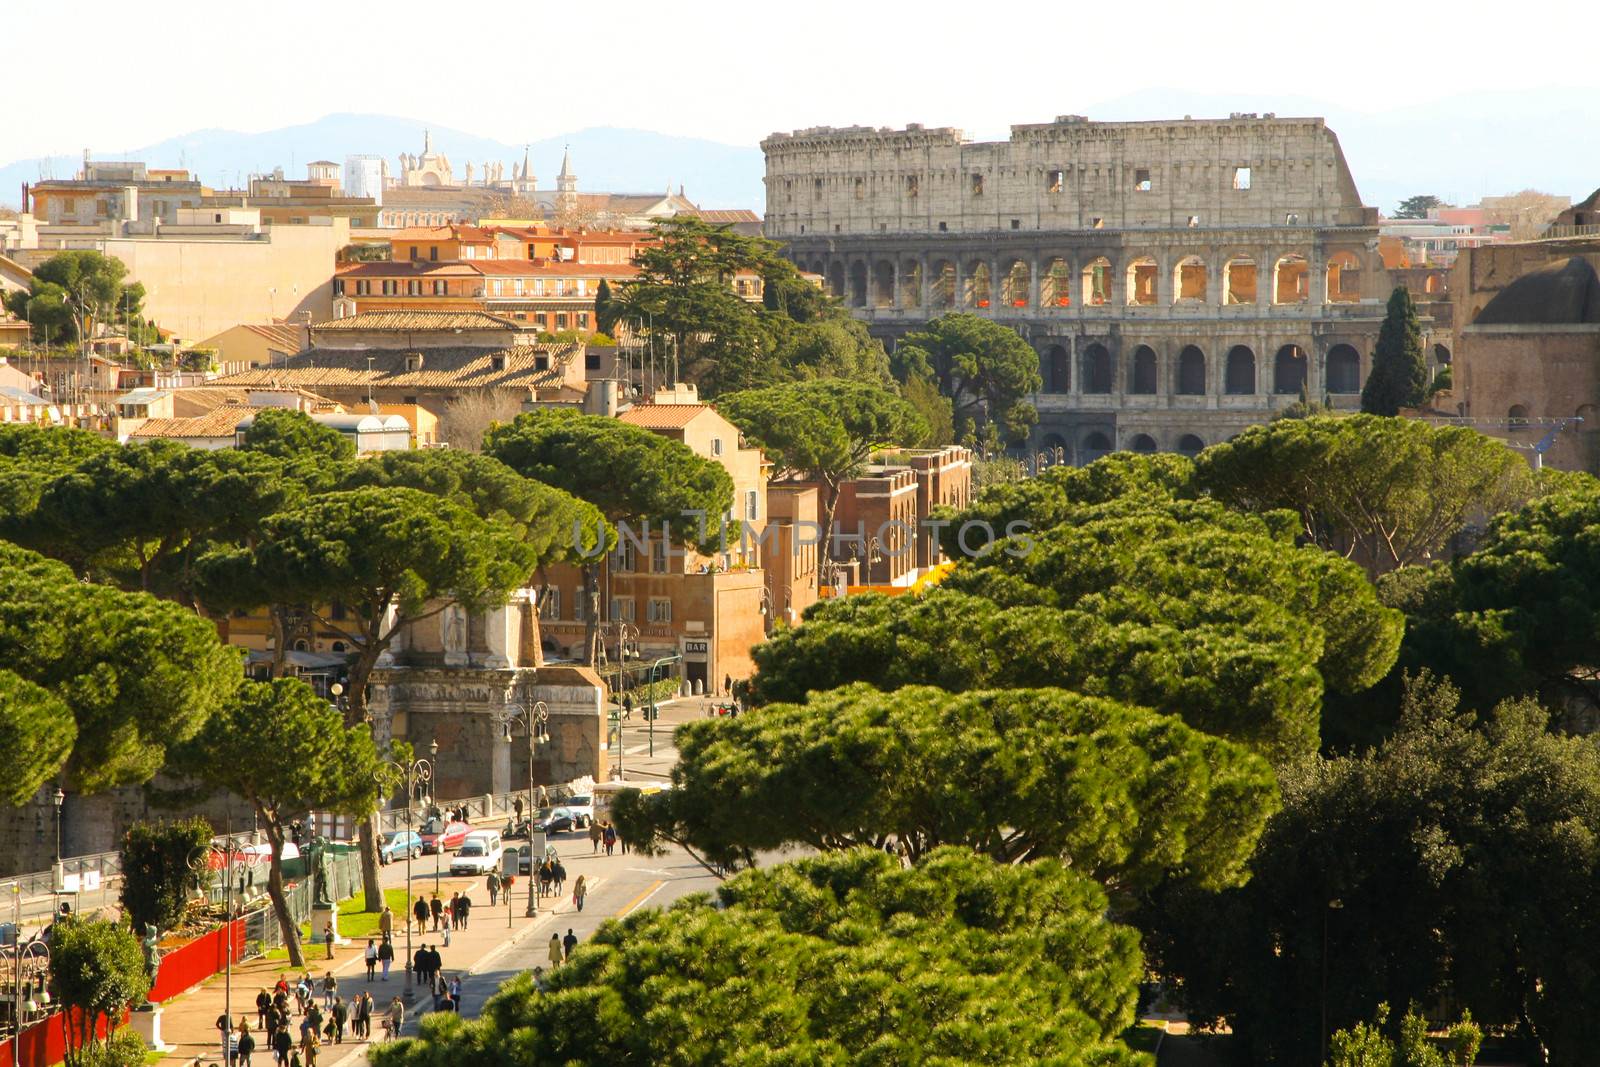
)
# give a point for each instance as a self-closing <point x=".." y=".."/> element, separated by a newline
<point x="1180" y="280"/>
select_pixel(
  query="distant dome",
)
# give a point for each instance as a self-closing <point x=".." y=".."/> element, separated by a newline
<point x="1561" y="293"/>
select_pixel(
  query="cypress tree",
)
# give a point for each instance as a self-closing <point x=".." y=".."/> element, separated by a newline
<point x="1398" y="374"/>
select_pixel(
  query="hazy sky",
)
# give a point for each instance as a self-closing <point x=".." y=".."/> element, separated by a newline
<point x="109" y="75"/>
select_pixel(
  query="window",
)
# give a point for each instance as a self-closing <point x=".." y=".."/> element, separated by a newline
<point x="751" y="505"/>
<point x="591" y="361"/>
<point x="538" y="287"/>
<point x="497" y="363"/>
<point x="944" y="227"/>
<point x="550" y="604"/>
<point x="363" y="287"/>
<point x="388" y="287"/>
<point x="716" y="446"/>
<point x="861" y="188"/>
<point x="439" y="287"/>
<point x="69" y="205"/>
<point x="626" y="555"/>
<point x="413" y="251"/>
<point x="1141" y="181"/>
<point x="338" y="287"/>
<point x="561" y="320"/>
<point x="1194" y="220"/>
<point x="623" y="609"/>
<point x="217" y="217"/>
<point x="977" y="185"/>
<point x="433" y="252"/>
<point x="581" y="320"/>
<point x="1055" y="180"/>
<point x="1241" y="177"/>
<point x="1016" y="224"/>
<point x="102" y="208"/>
<point x="579" y="602"/>
<point x="413" y="287"/>
<point x="816" y="189"/>
<point x="658" y="610"/>
<point x="658" y="556"/>
<point x="912" y="186"/>
<point x="1097" y="223"/>
<point x="1291" y="219"/>
<point x="516" y="286"/>
<point x="497" y="287"/>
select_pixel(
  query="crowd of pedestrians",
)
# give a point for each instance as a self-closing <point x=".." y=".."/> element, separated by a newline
<point x="325" y="1018"/>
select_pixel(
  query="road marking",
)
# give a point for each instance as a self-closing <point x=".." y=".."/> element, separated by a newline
<point x="648" y="870"/>
<point x="638" y="901"/>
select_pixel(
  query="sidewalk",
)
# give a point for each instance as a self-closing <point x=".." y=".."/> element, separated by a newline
<point x="189" y="1020"/>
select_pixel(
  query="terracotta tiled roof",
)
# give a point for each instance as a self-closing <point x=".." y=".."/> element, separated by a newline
<point x="663" y="416"/>
<point x="419" y="321"/>
<point x="219" y="422"/>
<point x="723" y="217"/>
<point x="404" y="268"/>
<point x="281" y="335"/>
<point x="442" y="368"/>
<point x="544" y="268"/>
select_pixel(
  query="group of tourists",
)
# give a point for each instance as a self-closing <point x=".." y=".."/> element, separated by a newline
<point x="451" y="915"/>
<point x="325" y="1017"/>
<point x="603" y="833"/>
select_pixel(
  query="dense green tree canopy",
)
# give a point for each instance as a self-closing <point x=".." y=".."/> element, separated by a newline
<point x="842" y="959"/>
<point x="629" y="473"/>
<point x="97" y="970"/>
<point x="985" y="368"/>
<point x="1387" y="492"/>
<point x="1417" y="207"/>
<point x="371" y="550"/>
<point x="157" y="873"/>
<point x="72" y="290"/>
<point x="138" y="514"/>
<point x="1398" y="373"/>
<point x="1458" y="860"/>
<point x="1121" y="793"/>
<point x="1518" y="616"/>
<point x="37" y="731"/>
<point x="546" y="517"/>
<point x="137" y="673"/>
<point x="823" y="431"/>
<point x="1181" y="605"/>
<point x="285" y="750"/>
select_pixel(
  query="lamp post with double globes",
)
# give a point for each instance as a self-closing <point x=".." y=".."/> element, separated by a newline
<point x="60" y="798"/>
<point x="417" y="774"/>
<point x="535" y="722"/>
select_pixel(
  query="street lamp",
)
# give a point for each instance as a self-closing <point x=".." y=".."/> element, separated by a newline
<point x="201" y="863"/>
<point x="55" y="889"/>
<point x="535" y="724"/>
<point x="419" y="772"/>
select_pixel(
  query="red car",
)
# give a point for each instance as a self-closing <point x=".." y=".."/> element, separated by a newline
<point x="453" y="834"/>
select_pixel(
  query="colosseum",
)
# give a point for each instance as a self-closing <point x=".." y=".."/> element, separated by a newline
<point x="1180" y="280"/>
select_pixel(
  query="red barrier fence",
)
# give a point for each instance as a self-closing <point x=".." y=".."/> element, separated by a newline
<point x="42" y="1044"/>
<point x="45" y="1043"/>
<point x="196" y="961"/>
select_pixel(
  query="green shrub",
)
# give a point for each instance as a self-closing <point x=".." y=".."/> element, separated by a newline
<point x="156" y="875"/>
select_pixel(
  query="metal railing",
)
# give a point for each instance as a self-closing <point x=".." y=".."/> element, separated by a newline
<point x="1562" y="233"/>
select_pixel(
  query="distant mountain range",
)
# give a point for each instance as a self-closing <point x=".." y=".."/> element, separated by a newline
<point x="1459" y="148"/>
<point x="605" y="159"/>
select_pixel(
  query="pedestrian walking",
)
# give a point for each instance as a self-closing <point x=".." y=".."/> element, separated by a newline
<point x="610" y="838"/>
<point x="327" y="937"/>
<point x="454" y="910"/>
<point x="436" y="906"/>
<point x="386" y="956"/>
<point x="727" y="685"/>
<point x="281" y="1044"/>
<point x="263" y="1003"/>
<point x="464" y="910"/>
<point x="386" y="922"/>
<point x="561" y="878"/>
<point x="455" y="994"/>
<point x="371" y="956"/>
<point x="420" y="910"/>
<point x="364" y="1016"/>
<point x="595" y="836"/>
<point x="569" y="943"/>
<point x="557" y="955"/>
<point x="330" y="990"/>
<point x="579" y="891"/>
<point x="517" y="806"/>
<point x="394" y="1019"/>
<point x="419" y="963"/>
<point x="341" y="1015"/>
<point x="492" y="883"/>
<point x="308" y="1051"/>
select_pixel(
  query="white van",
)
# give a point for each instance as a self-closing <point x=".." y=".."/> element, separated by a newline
<point x="479" y="853"/>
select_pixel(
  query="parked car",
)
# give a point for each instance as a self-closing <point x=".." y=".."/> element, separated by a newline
<point x="398" y="844"/>
<point x="441" y="834"/>
<point x="479" y="853"/>
<point x="582" y="809"/>
<point x="554" y="821"/>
